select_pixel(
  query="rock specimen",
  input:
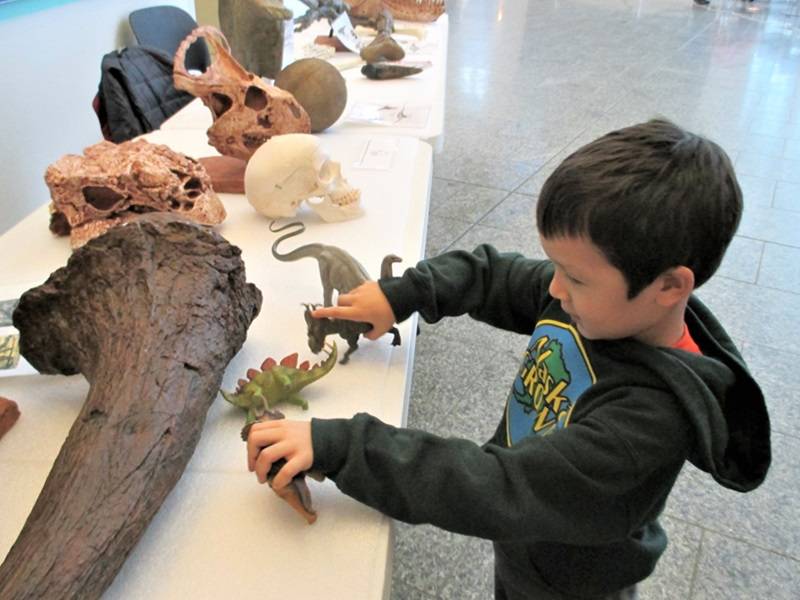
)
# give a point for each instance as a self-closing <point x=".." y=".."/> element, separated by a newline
<point x="254" y="29"/>
<point x="383" y="47"/>
<point x="113" y="183"/>
<point x="388" y="71"/>
<point x="318" y="87"/>
<point x="151" y="313"/>
<point x="246" y="111"/>
<point x="9" y="413"/>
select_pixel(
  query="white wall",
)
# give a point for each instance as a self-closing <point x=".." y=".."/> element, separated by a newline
<point x="49" y="73"/>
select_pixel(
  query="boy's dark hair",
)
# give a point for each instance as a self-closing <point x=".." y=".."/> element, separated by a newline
<point x="650" y="197"/>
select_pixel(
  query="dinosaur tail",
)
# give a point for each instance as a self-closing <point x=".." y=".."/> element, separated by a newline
<point x="386" y="265"/>
<point x="301" y="252"/>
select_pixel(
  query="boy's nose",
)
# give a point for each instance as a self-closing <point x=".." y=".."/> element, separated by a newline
<point x="556" y="288"/>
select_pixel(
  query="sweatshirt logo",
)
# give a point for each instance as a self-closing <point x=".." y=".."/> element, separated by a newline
<point x="554" y="373"/>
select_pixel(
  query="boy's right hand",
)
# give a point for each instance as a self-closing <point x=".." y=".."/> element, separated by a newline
<point x="366" y="303"/>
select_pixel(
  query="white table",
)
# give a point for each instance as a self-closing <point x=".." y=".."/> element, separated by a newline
<point x="219" y="534"/>
<point x="419" y="93"/>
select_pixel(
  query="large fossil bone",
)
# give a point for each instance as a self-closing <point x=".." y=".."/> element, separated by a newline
<point x="246" y="111"/>
<point x="151" y="313"/>
<point x="111" y="184"/>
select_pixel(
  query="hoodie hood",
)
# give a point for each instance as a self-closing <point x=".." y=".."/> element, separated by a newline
<point x="723" y="401"/>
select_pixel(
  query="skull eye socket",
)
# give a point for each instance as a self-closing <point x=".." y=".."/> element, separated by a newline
<point x="255" y="98"/>
<point x="101" y="197"/>
<point x="328" y="171"/>
<point x="220" y="103"/>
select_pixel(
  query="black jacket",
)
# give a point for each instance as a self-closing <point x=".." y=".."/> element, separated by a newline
<point x="592" y="438"/>
<point x="136" y="92"/>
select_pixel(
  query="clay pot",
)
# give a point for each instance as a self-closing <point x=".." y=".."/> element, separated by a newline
<point x="319" y="88"/>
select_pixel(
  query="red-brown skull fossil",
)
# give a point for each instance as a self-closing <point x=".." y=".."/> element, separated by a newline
<point x="246" y="111"/>
<point x="112" y="183"/>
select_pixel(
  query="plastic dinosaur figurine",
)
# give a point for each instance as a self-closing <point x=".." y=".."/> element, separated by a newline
<point x="276" y="383"/>
<point x="273" y="384"/>
<point x="340" y="271"/>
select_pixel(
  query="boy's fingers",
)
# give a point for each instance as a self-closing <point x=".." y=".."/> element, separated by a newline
<point x="261" y="436"/>
<point x="334" y="312"/>
<point x="265" y="459"/>
<point x="285" y="475"/>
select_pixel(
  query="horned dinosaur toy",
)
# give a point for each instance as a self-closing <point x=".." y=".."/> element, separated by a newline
<point x="339" y="271"/>
<point x="273" y="384"/>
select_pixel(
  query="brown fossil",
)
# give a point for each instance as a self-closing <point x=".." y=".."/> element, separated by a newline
<point x="9" y="413"/>
<point x="151" y="313"/>
<point x="246" y="111"/>
<point x="415" y="10"/>
<point x="112" y="183"/>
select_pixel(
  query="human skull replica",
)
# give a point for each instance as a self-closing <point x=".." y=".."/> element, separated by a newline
<point x="112" y="183"/>
<point x="246" y="111"/>
<point x="291" y="168"/>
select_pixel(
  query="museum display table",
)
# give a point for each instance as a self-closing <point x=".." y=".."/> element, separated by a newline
<point x="411" y="106"/>
<point x="219" y="534"/>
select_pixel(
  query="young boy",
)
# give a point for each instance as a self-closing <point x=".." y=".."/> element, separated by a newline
<point x="626" y="376"/>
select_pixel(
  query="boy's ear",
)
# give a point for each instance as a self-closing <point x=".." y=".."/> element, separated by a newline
<point x="675" y="285"/>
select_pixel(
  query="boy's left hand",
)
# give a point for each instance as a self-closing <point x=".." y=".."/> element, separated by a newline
<point x="272" y="440"/>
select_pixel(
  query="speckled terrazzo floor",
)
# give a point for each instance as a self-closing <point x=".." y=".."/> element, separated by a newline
<point x="528" y="82"/>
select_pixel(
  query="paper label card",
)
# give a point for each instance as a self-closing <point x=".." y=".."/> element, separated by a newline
<point x="378" y="154"/>
<point x="343" y="29"/>
<point x="406" y="116"/>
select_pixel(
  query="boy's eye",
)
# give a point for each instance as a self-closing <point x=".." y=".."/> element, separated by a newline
<point x="572" y="279"/>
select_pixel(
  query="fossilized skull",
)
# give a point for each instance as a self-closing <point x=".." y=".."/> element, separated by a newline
<point x="246" y="111"/>
<point x="404" y="10"/>
<point x="112" y="183"/>
<point x="291" y="168"/>
<point x="415" y="10"/>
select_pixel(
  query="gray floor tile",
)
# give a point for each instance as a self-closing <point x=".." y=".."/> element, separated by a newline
<point x="431" y="560"/>
<point x="516" y="212"/>
<point x="401" y="591"/>
<point x="771" y="225"/>
<point x="524" y="241"/>
<point x="456" y="392"/>
<point x="742" y="259"/>
<point x="762" y="165"/>
<point x="780" y="267"/>
<point x="732" y="570"/>
<point x="792" y="149"/>
<point x="464" y="201"/>
<point x="756" y="191"/>
<point x="765" y="517"/>
<point x="442" y="232"/>
<point x="754" y="314"/>
<point x="672" y="577"/>
<point x="777" y="373"/>
<point x="787" y="196"/>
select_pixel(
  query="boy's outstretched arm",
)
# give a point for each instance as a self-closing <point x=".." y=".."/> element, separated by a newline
<point x="272" y="440"/>
<point x="366" y="303"/>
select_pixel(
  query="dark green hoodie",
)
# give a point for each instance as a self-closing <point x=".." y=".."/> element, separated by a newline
<point x="591" y="441"/>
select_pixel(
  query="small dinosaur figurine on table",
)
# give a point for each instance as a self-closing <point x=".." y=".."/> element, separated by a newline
<point x="338" y="271"/>
<point x="268" y="387"/>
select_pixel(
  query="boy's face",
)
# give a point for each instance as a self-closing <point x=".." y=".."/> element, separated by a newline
<point x="595" y="294"/>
